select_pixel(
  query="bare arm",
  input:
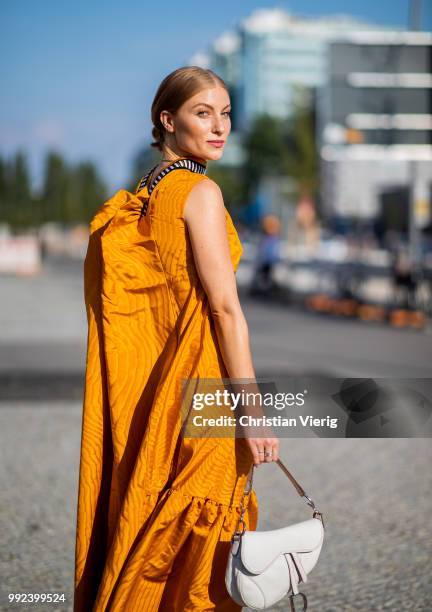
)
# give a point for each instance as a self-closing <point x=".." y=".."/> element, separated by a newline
<point x="204" y="214"/>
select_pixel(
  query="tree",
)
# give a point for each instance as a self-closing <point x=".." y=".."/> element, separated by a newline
<point x="266" y="152"/>
<point x="19" y="201"/>
<point x="55" y="187"/>
<point x="301" y="160"/>
<point x="283" y="147"/>
<point x="89" y="191"/>
<point x="5" y="203"/>
<point x="230" y="181"/>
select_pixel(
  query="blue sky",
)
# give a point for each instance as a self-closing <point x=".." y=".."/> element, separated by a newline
<point x="80" y="76"/>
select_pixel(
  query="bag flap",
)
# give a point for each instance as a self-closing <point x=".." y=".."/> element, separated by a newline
<point x="260" y="548"/>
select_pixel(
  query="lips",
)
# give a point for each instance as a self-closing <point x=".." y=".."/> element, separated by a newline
<point x="216" y="143"/>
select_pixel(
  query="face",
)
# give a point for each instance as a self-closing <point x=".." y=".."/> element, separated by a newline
<point x="201" y="125"/>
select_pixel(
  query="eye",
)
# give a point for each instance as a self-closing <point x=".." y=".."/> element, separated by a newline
<point x="200" y="112"/>
<point x="227" y="113"/>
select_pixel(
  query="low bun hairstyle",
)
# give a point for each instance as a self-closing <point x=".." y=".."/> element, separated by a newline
<point x="157" y="135"/>
<point x="176" y="88"/>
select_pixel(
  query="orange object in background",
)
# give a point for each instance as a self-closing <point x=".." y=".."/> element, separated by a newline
<point x="407" y="318"/>
<point x="399" y="318"/>
<point x="319" y="302"/>
<point x="346" y="308"/>
<point x="417" y="319"/>
<point x="371" y="312"/>
<point x="354" y="136"/>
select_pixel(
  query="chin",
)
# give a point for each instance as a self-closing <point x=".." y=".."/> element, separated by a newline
<point x="215" y="154"/>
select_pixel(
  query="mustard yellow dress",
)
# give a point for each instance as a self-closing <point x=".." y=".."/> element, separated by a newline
<point x="156" y="510"/>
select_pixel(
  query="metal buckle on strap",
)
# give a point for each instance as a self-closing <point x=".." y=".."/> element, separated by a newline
<point x="292" y="607"/>
<point x="319" y="514"/>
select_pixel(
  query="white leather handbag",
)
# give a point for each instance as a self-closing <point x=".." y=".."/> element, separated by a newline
<point x="265" y="566"/>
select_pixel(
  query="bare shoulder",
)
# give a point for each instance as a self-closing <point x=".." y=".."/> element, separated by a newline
<point x="204" y="198"/>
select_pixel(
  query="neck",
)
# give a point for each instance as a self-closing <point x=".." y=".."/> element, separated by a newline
<point x="170" y="155"/>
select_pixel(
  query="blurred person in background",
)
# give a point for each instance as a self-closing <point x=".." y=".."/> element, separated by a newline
<point x="404" y="279"/>
<point x="267" y="256"/>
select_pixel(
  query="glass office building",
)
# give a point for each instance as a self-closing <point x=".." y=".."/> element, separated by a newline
<point x="271" y="57"/>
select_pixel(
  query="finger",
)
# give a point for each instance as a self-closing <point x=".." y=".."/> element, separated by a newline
<point x="269" y="454"/>
<point x="276" y="450"/>
<point x="271" y="450"/>
<point x="256" y="456"/>
<point x="260" y="451"/>
<point x="268" y="450"/>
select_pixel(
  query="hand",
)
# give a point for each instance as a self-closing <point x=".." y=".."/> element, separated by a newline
<point x="260" y="446"/>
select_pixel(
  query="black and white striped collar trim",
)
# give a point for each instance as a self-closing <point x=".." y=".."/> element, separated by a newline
<point x="188" y="164"/>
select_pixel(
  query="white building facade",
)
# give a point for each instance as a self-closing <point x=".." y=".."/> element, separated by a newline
<point x="375" y="116"/>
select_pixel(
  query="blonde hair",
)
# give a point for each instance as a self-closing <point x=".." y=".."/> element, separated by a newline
<point x="176" y="88"/>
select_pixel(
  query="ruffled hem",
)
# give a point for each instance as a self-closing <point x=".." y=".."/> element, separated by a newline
<point x="181" y="555"/>
<point x="175" y="517"/>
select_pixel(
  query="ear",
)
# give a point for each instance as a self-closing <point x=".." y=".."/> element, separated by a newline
<point x="167" y="121"/>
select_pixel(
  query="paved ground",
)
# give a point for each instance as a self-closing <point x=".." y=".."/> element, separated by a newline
<point x="43" y="330"/>
<point x="375" y="493"/>
<point x="375" y="496"/>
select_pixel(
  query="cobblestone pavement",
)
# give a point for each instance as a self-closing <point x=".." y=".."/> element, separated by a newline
<point x="375" y="495"/>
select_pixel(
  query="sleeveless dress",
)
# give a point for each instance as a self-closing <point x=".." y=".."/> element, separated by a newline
<point x="156" y="511"/>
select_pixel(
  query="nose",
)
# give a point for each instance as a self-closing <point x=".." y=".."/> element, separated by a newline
<point x="218" y="126"/>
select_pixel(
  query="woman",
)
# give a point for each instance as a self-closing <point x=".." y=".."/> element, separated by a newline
<point x="156" y="510"/>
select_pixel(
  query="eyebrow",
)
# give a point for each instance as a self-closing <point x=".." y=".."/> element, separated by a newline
<point x="208" y="105"/>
